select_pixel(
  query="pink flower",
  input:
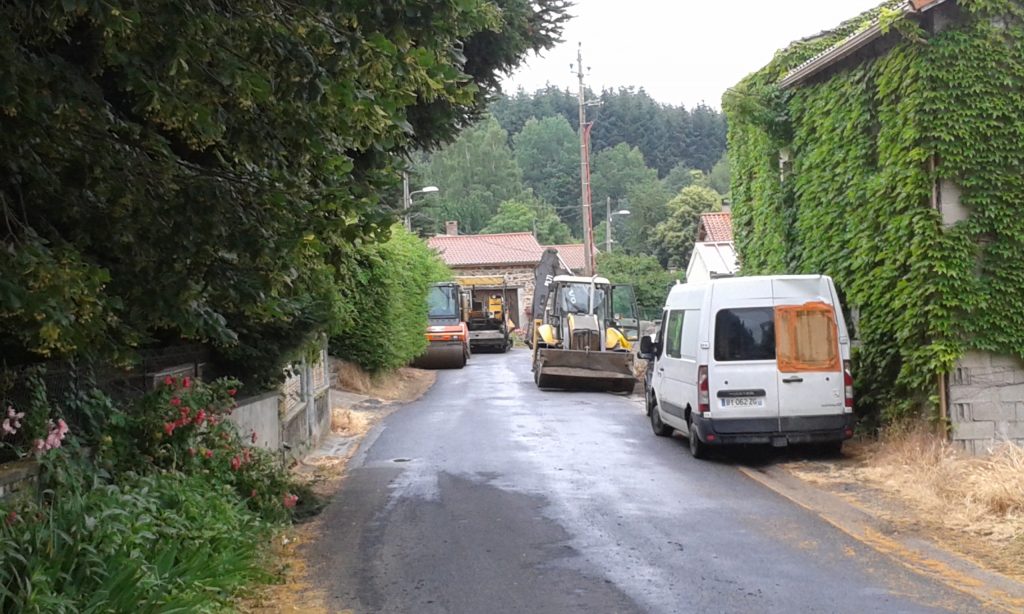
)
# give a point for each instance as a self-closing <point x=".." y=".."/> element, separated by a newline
<point x="290" y="500"/>
<point x="175" y="401"/>
<point x="208" y="453"/>
<point x="169" y="428"/>
<point x="201" y="416"/>
<point x="7" y="428"/>
<point x="62" y="428"/>
<point x="232" y="392"/>
<point x="186" y="382"/>
<point x="39" y="445"/>
<point x="168" y="381"/>
<point x="236" y="463"/>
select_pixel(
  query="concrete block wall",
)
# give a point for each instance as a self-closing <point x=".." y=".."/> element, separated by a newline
<point x="260" y="414"/>
<point x="986" y="401"/>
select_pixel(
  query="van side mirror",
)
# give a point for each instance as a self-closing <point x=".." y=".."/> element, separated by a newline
<point x="647" y="348"/>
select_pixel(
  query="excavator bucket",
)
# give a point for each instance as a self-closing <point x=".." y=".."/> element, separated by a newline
<point x="445" y="355"/>
<point x="584" y="370"/>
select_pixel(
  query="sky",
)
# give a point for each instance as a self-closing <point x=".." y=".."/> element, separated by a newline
<point x="680" y="51"/>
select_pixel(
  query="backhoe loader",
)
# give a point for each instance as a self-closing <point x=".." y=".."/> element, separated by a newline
<point x="583" y="335"/>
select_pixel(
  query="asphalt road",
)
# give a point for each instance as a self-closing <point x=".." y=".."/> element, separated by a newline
<point x="491" y="496"/>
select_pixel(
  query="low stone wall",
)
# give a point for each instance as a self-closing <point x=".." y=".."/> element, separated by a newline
<point x="986" y="401"/>
<point x="19" y="477"/>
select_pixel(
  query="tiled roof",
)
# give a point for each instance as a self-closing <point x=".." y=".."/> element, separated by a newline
<point x="572" y="256"/>
<point x="715" y="227"/>
<point x="497" y="249"/>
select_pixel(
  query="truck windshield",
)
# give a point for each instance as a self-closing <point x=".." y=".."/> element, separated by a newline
<point x="575" y="298"/>
<point x="443" y="302"/>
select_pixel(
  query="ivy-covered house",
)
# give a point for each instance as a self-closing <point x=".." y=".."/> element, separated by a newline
<point x="889" y="153"/>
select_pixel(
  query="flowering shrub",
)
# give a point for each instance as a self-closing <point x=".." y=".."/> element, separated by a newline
<point x="183" y="426"/>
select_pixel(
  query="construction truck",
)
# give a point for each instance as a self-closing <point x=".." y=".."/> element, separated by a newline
<point x="583" y="334"/>
<point x="489" y="320"/>
<point x="447" y="332"/>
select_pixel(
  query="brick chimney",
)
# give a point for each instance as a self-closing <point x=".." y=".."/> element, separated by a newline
<point x="451" y="228"/>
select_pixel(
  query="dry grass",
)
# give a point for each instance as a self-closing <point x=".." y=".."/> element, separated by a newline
<point x="934" y="473"/>
<point x="405" y="384"/>
<point x="921" y="482"/>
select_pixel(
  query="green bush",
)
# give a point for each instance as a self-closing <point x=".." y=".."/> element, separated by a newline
<point x="147" y="543"/>
<point x="385" y="288"/>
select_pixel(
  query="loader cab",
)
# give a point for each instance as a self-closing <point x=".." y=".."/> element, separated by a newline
<point x="591" y="312"/>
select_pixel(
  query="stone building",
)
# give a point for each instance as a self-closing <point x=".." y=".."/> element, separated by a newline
<point x="512" y="255"/>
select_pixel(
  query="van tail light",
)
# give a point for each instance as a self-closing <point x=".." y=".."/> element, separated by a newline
<point x="848" y="385"/>
<point x="703" y="398"/>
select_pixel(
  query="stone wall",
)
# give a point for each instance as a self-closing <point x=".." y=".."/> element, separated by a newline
<point x="520" y="278"/>
<point x="986" y="401"/>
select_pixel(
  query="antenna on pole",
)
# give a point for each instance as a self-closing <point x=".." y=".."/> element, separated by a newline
<point x="587" y="218"/>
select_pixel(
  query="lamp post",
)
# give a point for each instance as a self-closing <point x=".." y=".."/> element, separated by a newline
<point x="608" y="223"/>
<point x="407" y="197"/>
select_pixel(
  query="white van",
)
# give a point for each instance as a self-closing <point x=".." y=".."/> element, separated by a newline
<point x="752" y="360"/>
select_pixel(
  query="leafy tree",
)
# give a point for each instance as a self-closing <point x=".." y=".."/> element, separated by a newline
<point x="682" y="176"/>
<point x="615" y="172"/>
<point x="548" y="152"/>
<point x="181" y="169"/>
<point x="647" y="206"/>
<point x="476" y="173"/>
<point x="719" y="178"/>
<point x="530" y="215"/>
<point x="650" y="281"/>
<point x="674" y="238"/>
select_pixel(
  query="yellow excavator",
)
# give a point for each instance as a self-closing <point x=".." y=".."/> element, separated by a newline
<point x="583" y="334"/>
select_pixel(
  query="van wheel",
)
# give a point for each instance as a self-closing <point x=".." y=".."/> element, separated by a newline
<point x="698" y="449"/>
<point x="660" y="428"/>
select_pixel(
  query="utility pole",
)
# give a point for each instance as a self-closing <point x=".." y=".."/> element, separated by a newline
<point x="588" y="228"/>
<point x="608" y="227"/>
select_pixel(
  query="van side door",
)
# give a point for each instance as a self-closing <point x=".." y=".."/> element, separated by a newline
<point x="670" y="364"/>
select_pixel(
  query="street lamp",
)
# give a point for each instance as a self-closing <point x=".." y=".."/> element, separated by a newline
<point x="407" y="197"/>
<point x="608" y="224"/>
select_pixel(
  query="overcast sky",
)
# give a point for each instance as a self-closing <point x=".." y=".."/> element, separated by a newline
<point x="680" y="51"/>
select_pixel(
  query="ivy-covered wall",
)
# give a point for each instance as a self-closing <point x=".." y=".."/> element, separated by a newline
<point x="867" y="146"/>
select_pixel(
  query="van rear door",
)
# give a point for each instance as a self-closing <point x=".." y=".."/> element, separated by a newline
<point x="742" y="377"/>
<point x="810" y="366"/>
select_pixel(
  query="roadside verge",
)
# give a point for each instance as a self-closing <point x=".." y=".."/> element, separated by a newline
<point x="360" y="402"/>
<point x="912" y="551"/>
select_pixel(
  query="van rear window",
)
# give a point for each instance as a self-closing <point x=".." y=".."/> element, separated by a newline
<point x="745" y="334"/>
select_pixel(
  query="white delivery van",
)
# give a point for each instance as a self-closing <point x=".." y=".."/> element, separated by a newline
<point x="752" y="360"/>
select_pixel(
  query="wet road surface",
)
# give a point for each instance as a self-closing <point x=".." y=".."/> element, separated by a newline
<point x="491" y="496"/>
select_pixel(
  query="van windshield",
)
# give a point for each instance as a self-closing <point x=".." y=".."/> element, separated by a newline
<point x="745" y="334"/>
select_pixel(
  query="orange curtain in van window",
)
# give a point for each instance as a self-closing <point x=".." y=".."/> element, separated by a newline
<point x="806" y="338"/>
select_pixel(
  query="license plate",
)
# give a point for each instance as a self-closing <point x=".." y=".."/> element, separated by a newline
<point x="743" y="402"/>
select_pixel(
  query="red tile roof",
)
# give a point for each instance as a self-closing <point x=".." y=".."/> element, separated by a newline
<point x="487" y="250"/>
<point x="572" y="256"/>
<point x="715" y="227"/>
